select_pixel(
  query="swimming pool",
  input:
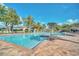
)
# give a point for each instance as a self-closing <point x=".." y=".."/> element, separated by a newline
<point x="24" y="40"/>
<point x="27" y="40"/>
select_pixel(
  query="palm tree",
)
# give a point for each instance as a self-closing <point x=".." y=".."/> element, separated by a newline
<point x="43" y="27"/>
<point x="30" y="22"/>
<point x="51" y="26"/>
<point x="39" y="27"/>
<point x="75" y="25"/>
<point x="2" y="10"/>
<point x="10" y="18"/>
<point x="66" y="27"/>
<point x="13" y="18"/>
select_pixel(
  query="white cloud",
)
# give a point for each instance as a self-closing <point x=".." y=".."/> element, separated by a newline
<point x="70" y="21"/>
<point x="60" y="24"/>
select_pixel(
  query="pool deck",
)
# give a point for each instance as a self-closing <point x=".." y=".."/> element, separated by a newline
<point x="69" y="46"/>
<point x="63" y="46"/>
<point x="7" y="49"/>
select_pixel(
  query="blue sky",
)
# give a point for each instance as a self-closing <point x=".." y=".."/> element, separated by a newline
<point x="45" y="13"/>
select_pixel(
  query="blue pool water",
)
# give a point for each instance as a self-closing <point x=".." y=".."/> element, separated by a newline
<point x="27" y="41"/>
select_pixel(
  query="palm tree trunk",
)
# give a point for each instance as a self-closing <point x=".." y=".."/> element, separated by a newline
<point x="11" y="28"/>
<point x="7" y="28"/>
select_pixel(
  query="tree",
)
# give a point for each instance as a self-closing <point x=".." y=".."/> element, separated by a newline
<point x="39" y="27"/>
<point x="75" y="24"/>
<point x="51" y="26"/>
<point x="9" y="17"/>
<point x="43" y="27"/>
<point x="66" y="27"/>
<point x="2" y="10"/>
<point x="13" y="18"/>
<point x="29" y="22"/>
